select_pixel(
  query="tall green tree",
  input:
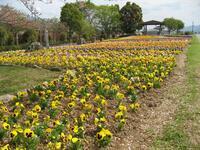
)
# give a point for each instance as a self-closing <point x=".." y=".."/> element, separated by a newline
<point x="180" y="25"/>
<point x="72" y="17"/>
<point x="107" y="20"/>
<point x="170" y="23"/>
<point x="173" y="24"/>
<point x="131" y="17"/>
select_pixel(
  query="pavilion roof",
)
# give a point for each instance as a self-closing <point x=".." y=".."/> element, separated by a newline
<point x="152" y="22"/>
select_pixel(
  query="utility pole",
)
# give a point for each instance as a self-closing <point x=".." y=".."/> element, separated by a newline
<point x="193" y="27"/>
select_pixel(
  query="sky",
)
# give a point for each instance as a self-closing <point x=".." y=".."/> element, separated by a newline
<point x="186" y="10"/>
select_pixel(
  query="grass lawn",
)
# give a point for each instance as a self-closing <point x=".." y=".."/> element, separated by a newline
<point x="15" y="78"/>
<point x="184" y="132"/>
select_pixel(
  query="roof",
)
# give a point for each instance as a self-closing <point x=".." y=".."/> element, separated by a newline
<point x="152" y="22"/>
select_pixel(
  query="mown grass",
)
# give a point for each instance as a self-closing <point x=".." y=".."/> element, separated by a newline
<point x="15" y="78"/>
<point x="175" y="135"/>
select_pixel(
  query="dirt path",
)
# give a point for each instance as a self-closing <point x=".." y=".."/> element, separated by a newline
<point x="158" y="109"/>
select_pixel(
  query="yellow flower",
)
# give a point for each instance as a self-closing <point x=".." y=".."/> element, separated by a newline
<point x="119" y="115"/>
<point x="16" y="114"/>
<point x="1" y="103"/>
<point x="56" y="122"/>
<point x="144" y="88"/>
<point x="27" y="123"/>
<point x="150" y="85"/>
<point x="58" y="145"/>
<point x="4" y="109"/>
<point x="29" y="113"/>
<point x="74" y="140"/>
<point x="123" y="121"/>
<point x="50" y="145"/>
<point x="64" y="113"/>
<point x="83" y="101"/>
<point x="69" y="137"/>
<point x="75" y="129"/>
<point x="20" y="130"/>
<point x="6" y="126"/>
<point x="83" y="117"/>
<point x="13" y="134"/>
<point x="6" y="147"/>
<point x="48" y="130"/>
<point x="48" y="92"/>
<point x="54" y="104"/>
<point x="72" y="104"/>
<point x="96" y="121"/>
<point x="137" y="105"/>
<point x="62" y="136"/>
<point x="37" y="108"/>
<point x="103" y="102"/>
<point x="120" y="96"/>
<point x="103" y="119"/>
<point x="97" y="98"/>
<point x="28" y="133"/>
<point x="17" y="104"/>
<point x="34" y="115"/>
<point x="122" y="108"/>
<point x="98" y="110"/>
<point x="103" y="133"/>
<point x="47" y="118"/>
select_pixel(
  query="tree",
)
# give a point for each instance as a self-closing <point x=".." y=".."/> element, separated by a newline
<point x="3" y="36"/>
<point x="87" y="30"/>
<point x="72" y="17"/>
<point x="88" y="9"/>
<point x="107" y="20"/>
<point x="170" y="23"/>
<point x="180" y="25"/>
<point x="131" y="17"/>
<point x="173" y="24"/>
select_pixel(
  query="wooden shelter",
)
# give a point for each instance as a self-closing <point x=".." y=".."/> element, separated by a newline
<point x="153" y="22"/>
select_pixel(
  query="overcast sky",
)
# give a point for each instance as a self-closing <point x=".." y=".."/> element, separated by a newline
<point x="186" y="10"/>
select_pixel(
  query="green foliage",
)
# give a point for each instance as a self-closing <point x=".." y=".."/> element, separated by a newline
<point x="173" y="24"/>
<point x="3" y="36"/>
<point x="87" y="30"/>
<point x="13" y="47"/>
<point x="29" y="36"/>
<point x="72" y="17"/>
<point x="10" y="40"/>
<point x="131" y="17"/>
<point x="2" y="133"/>
<point x="108" y="20"/>
<point x="180" y="25"/>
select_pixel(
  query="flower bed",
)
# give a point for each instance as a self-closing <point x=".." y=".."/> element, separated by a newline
<point x="91" y="99"/>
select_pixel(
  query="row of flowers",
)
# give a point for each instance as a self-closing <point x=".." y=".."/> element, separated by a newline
<point x="87" y="104"/>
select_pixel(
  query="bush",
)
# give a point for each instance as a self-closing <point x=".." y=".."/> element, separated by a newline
<point x="29" y="36"/>
<point x="188" y="33"/>
<point x="13" y="47"/>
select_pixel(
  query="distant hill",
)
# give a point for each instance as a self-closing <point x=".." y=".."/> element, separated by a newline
<point x="189" y="28"/>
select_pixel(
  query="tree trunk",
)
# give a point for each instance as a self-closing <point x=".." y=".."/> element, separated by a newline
<point x="17" y="38"/>
<point x="46" y="38"/>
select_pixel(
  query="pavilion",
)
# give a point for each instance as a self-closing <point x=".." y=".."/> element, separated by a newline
<point x="153" y="22"/>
